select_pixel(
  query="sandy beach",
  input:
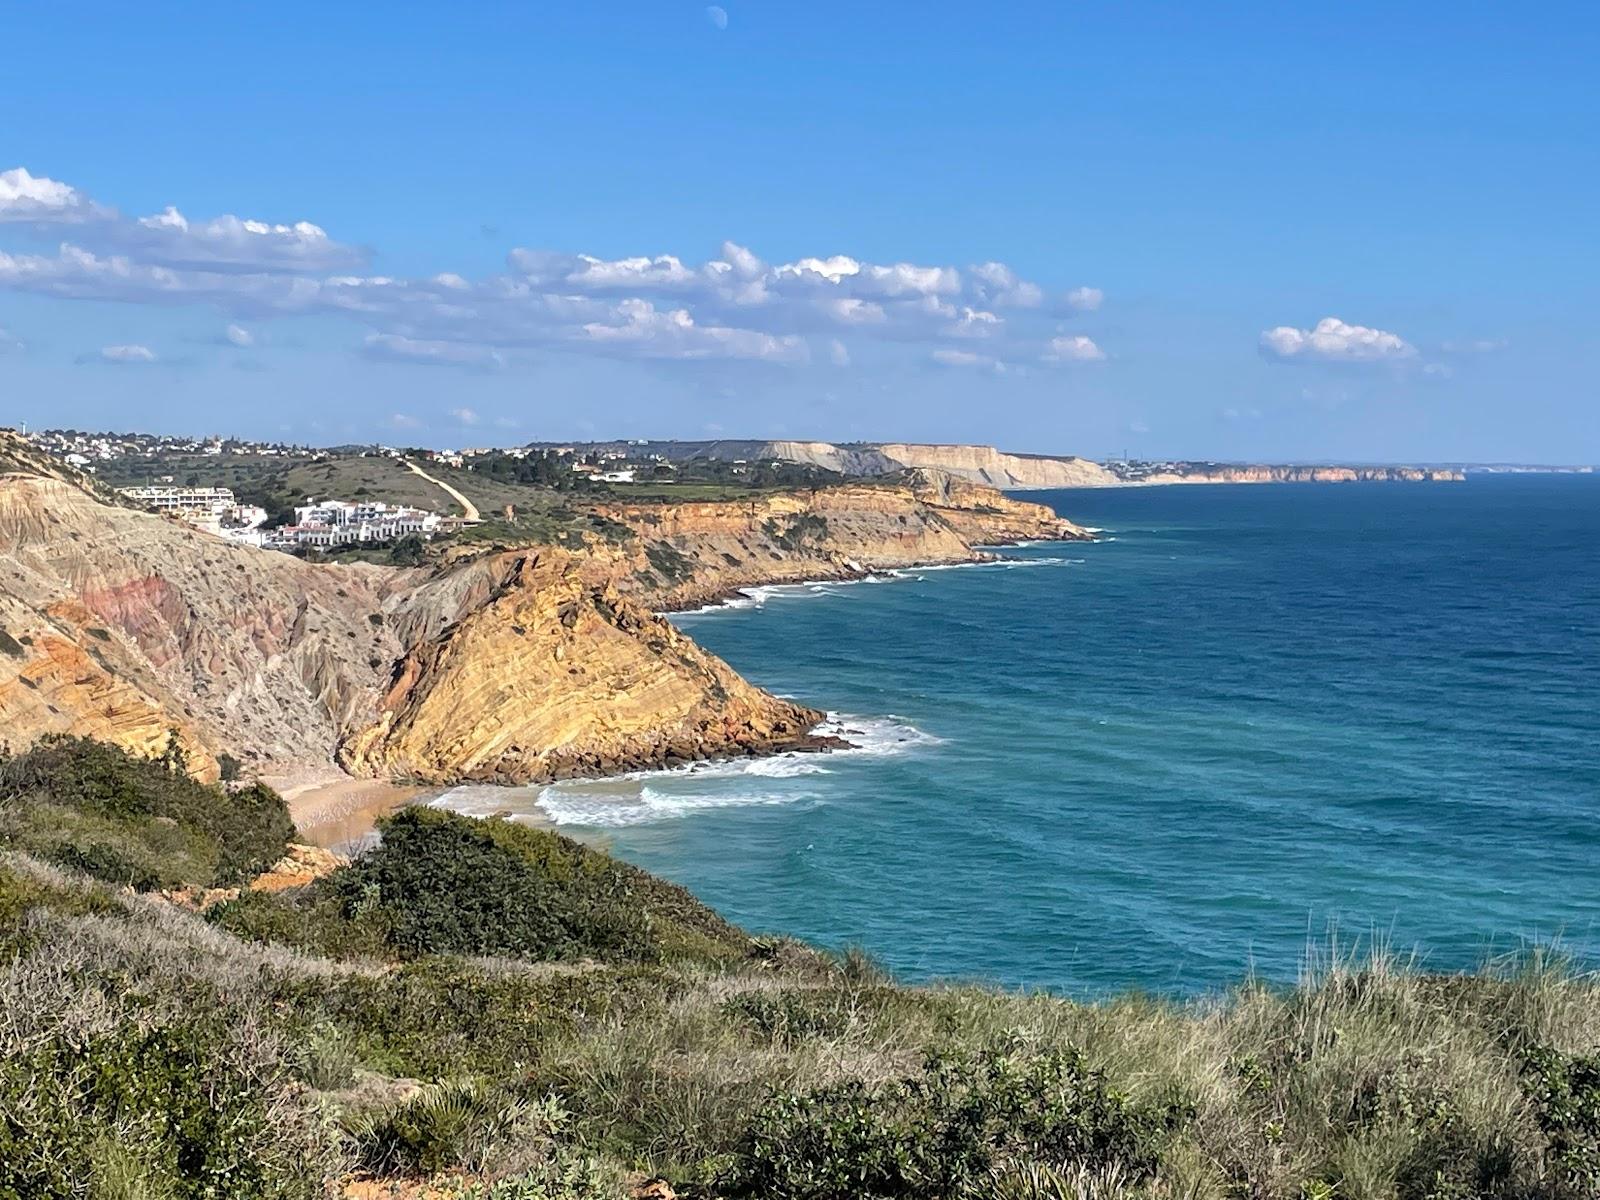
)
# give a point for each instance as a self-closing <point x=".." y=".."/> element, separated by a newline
<point x="337" y="811"/>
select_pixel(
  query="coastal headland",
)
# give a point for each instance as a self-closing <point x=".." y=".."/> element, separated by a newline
<point x="495" y="660"/>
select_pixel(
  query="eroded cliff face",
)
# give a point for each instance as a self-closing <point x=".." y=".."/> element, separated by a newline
<point x="518" y="666"/>
<point x="996" y="468"/>
<point x="978" y="464"/>
<point x="554" y="674"/>
<point x="688" y="555"/>
<point x="124" y="626"/>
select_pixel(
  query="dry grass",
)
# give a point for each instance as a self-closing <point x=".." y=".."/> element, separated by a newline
<point x="1367" y="1081"/>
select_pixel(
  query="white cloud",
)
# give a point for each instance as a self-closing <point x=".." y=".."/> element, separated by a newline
<point x="28" y="197"/>
<point x="1334" y="341"/>
<point x="404" y="421"/>
<point x="997" y="284"/>
<point x="169" y="238"/>
<point x="238" y="335"/>
<point x="230" y="243"/>
<point x="838" y="353"/>
<point x="733" y="306"/>
<point x="717" y="15"/>
<point x="968" y="360"/>
<point x="465" y="416"/>
<point x="847" y="310"/>
<point x="388" y="347"/>
<point x="648" y="332"/>
<point x="129" y="355"/>
<point x="974" y="322"/>
<point x="1071" y="349"/>
<point x="1085" y="299"/>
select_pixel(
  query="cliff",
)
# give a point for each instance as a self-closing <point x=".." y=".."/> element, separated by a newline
<point x="519" y="665"/>
<point x="688" y="555"/>
<point x="979" y="464"/>
<point x="130" y="628"/>
<point x="996" y="468"/>
<point x="555" y="675"/>
<point x="1232" y="473"/>
<point x="124" y="626"/>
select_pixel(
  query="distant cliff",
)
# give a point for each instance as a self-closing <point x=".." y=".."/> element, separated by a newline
<point x="997" y="468"/>
<point x="688" y="555"/>
<point x="980" y="464"/>
<point x="1191" y="472"/>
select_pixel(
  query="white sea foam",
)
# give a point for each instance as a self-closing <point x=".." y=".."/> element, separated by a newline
<point x="759" y="596"/>
<point x="649" y="805"/>
<point x="644" y="797"/>
<point x="876" y="737"/>
<point x="485" y="799"/>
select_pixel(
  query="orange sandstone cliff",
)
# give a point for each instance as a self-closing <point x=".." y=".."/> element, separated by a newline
<point x="519" y="665"/>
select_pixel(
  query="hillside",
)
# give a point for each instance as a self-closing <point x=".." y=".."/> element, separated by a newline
<point x="484" y="1011"/>
<point x="685" y="554"/>
<point x="1000" y="469"/>
<point x="502" y="661"/>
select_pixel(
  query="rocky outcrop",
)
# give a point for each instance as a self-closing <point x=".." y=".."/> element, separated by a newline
<point x="688" y="555"/>
<point x="984" y="517"/>
<point x="515" y="666"/>
<point x="557" y="674"/>
<point x="131" y="628"/>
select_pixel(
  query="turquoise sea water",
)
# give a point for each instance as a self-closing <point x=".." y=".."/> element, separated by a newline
<point x="1247" y="716"/>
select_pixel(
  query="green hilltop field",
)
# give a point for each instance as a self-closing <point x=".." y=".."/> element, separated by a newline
<point x="481" y="1009"/>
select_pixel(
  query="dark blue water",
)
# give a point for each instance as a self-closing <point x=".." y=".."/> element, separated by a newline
<point x="1257" y="714"/>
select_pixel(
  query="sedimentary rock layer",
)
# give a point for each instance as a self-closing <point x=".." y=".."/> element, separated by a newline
<point x="523" y="664"/>
<point x="687" y="555"/>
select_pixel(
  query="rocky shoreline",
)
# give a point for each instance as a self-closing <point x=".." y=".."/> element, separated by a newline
<point x="522" y="665"/>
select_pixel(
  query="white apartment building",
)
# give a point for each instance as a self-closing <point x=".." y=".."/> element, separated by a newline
<point x="342" y="514"/>
<point x="182" y="500"/>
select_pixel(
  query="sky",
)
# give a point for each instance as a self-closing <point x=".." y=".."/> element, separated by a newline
<point x="1363" y="232"/>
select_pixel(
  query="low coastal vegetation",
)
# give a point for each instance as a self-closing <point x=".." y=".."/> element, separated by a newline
<point x="479" y="1009"/>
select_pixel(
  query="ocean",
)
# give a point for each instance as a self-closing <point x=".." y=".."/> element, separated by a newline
<point x="1248" y="723"/>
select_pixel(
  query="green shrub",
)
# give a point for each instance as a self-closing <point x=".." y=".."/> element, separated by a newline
<point x="314" y="918"/>
<point x="170" y="1112"/>
<point x="453" y="1126"/>
<point x="22" y="890"/>
<point x="446" y="884"/>
<point x="793" y="532"/>
<point x="565" y="1176"/>
<point x="790" y="1015"/>
<point x="95" y="808"/>
<point x="949" y="1131"/>
<point x="1565" y="1091"/>
<point x="668" y="562"/>
<point x="438" y="1017"/>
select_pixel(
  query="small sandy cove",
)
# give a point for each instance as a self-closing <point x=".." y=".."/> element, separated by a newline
<point x="334" y="810"/>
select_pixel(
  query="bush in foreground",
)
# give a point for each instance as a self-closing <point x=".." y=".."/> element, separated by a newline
<point x="439" y="883"/>
<point x="139" y="822"/>
<point x="278" y="1046"/>
<point x="960" y="1127"/>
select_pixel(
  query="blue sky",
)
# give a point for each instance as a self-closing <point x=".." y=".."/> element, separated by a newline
<point x="1242" y="231"/>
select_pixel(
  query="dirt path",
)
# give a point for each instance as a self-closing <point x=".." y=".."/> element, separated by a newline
<point x="468" y="508"/>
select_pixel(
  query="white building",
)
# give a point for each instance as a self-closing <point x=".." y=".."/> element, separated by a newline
<point x="182" y="500"/>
